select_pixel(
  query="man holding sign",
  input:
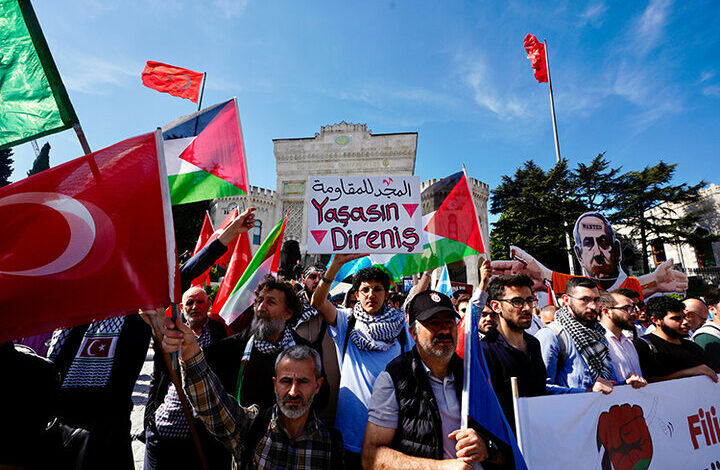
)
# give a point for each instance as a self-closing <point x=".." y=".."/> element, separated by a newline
<point x="367" y="337"/>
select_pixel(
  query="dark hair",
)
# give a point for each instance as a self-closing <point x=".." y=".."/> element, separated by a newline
<point x="659" y="306"/>
<point x="314" y="267"/>
<point x="496" y="288"/>
<point x="396" y="297"/>
<point x="713" y="296"/>
<point x="456" y="295"/>
<point x="606" y="299"/>
<point x="300" y="352"/>
<point x="629" y="293"/>
<point x="292" y="302"/>
<point x="579" y="281"/>
<point x="371" y="274"/>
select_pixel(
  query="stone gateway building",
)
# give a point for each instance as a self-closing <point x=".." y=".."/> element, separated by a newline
<point x="337" y="150"/>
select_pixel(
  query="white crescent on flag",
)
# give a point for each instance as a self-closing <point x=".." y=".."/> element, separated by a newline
<point x="79" y="220"/>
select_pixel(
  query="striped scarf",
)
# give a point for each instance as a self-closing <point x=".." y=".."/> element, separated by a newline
<point x="590" y="341"/>
<point x="265" y="347"/>
<point x="376" y="332"/>
<point x="308" y="311"/>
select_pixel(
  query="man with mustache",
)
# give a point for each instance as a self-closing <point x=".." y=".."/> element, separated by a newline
<point x="414" y="411"/>
<point x="509" y="350"/>
<point x="286" y="434"/>
<point x="666" y="353"/>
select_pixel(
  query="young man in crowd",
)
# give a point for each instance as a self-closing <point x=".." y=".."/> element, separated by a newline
<point x="708" y="335"/>
<point x="367" y="337"/>
<point x="509" y="350"/>
<point x="666" y="353"/>
<point x="574" y="347"/>
<point x="311" y="326"/>
<point x="406" y="427"/>
<point x="617" y="315"/>
<point x="286" y="433"/>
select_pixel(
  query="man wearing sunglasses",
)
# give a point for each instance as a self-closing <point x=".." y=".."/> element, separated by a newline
<point x="574" y="347"/>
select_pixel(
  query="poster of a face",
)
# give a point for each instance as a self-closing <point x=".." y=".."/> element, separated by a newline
<point x="596" y="247"/>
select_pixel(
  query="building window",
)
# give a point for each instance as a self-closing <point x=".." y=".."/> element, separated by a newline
<point x="658" y="250"/>
<point x="230" y="207"/>
<point x="257" y="232"/>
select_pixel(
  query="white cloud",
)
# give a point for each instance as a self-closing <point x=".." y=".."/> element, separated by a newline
<point x="96" y="75"/>
<point x="231" y="8"/>
<point x="651" y="24"/>
<point x="504" y="104"/>
<point x="712" y="90"/>
<point x="706" y="75"/>
<point x="594" y="15"/>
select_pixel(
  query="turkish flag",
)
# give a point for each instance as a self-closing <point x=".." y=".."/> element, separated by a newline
<point x="177" y="81"/>
<point x="85" y="241"/>
<point x="536" y="53"/>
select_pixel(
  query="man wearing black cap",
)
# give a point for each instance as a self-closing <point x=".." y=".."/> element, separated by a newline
<point x="414" y="412"/>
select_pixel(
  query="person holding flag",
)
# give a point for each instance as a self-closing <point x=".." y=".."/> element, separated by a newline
<point x="408" y="428"/>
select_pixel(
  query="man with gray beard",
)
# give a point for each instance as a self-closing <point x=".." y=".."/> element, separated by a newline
<point x="244" y="362"/>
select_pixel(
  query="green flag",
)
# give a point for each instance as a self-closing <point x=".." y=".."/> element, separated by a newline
<point x="33" y="100"/>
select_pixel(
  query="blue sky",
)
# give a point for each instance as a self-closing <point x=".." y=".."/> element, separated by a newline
<point x="638" y="80"/>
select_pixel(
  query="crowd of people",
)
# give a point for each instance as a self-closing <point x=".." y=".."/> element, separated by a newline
<point x="372" y="380"/>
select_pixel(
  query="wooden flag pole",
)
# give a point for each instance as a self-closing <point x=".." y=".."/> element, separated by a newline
<point x="157" y="332"/>
<point x="568" y="246"/>
<point x="86" y="149"/>
<point x="516" y="395"/>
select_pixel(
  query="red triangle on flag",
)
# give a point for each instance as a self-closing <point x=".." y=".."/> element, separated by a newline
<point x="456" y="220"/>
<point x="218" y="149"/>
<point x="318" y="235"/>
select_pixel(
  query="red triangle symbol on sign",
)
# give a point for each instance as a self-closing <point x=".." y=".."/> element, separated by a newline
<point x="319" y="235"/>
<point x="410" y="208"/>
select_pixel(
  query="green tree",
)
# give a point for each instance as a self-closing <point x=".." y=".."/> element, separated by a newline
<point x="188" y="219"/>
<point x="530" y="204"/>
<point x="649" y="205"/>
<point x="6" y="169"/>
<point x="594" y="185"/>
<point x="42" y="161"/>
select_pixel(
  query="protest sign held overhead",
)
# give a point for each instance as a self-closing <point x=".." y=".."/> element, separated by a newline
<point x="71" y="254"/>
<point x="373" y="214"/>
<point x="205" y="154"/>
<point x="34" y="100"/>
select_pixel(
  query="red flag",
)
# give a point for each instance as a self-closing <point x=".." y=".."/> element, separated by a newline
<point x="224" y="260"/>
<point x="85" y="240"/>
<point x="241" y="256"/>
<point x="536" y="54"/>
<point x="177" y="81"/>
<point x="206" y="231"/>
<point x="455" y="218"/>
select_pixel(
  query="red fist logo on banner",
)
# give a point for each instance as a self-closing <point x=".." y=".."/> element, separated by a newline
<point x="624" y="434"/>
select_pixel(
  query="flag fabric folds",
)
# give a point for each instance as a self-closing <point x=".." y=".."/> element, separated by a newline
<point x="478" y="398"/>
<point x="70" y="250"/>
<point x="34" y="100"/>
<point x="206" y="231"/>
<point x="451" y="233"/>
<point x="536" y="53"/>
<point x="205" y="155"/>
<point x="265" y="262"/>
<point x="239" y="261"/>
<point x="443" y="284"/>
<point x="176" y="81"/>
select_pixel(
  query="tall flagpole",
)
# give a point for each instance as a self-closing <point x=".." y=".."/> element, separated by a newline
<point x="568" y="246"/>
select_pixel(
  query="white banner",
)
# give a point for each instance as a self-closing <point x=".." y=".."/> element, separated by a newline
<point x="666" y="425"/>
<point x="372" y="214"/>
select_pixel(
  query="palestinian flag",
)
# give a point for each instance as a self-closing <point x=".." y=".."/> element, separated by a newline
<point x="205" y="155"/>
<point x="265" y="262"/>
<point x="451" y="233"/>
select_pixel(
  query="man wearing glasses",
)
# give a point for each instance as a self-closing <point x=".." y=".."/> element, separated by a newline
<point x="509" y="350"/>
<point x="574" y="347"/>
<point x="618" y="316"/>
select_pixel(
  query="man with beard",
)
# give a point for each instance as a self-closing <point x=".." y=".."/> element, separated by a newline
<point x="509" y="350"/>
<point x="414" y="412"/>
<point x="244" y="362"/>
<point x="574" y="348"/>
<point x="367" y="338"/>
<point x="285" y="434"/>
<point x="617" y="316"/>
<point x="666" y="353"/>
<point x="313" y="328"/>
<point x="168" y="443"/>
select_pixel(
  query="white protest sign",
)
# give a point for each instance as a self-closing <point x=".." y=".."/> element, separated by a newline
<point x="371" y="214"/>
<point x="673" y="424"/>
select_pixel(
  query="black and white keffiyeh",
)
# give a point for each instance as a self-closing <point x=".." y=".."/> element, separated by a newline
<point x="266" y="347"/>
<point x="308" y="311"/>
<point x="590" y="341"/>
<point x="376" y="332"/>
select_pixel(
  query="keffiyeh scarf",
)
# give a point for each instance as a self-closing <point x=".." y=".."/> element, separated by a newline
<point x="376" y="332"/>
<point x="590" y="342"/>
